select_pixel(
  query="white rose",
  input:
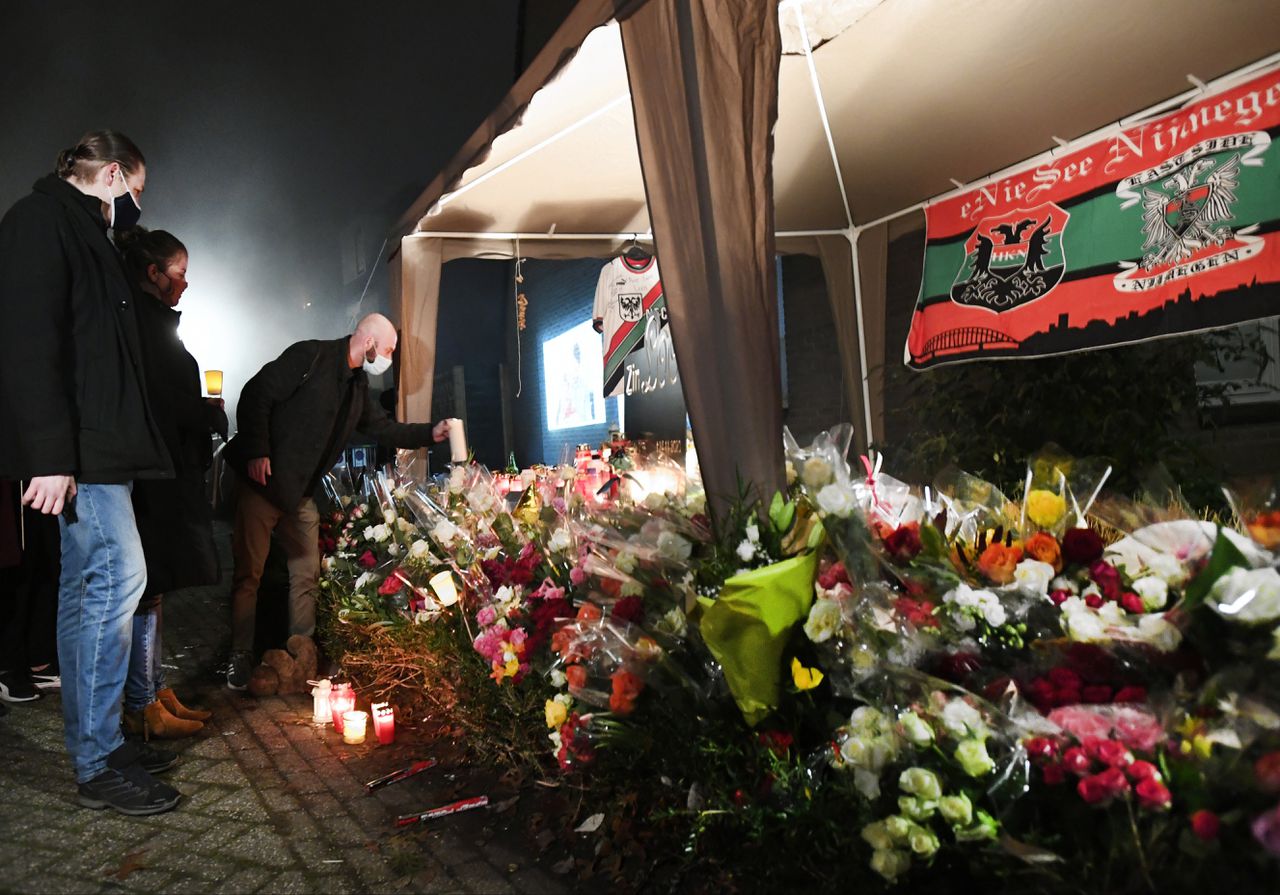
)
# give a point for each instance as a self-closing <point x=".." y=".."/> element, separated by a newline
<point x="753" y="533"/>
<point x="674" y="623"/>
<point x="994" y="613"/>
<point x="625" y="563"/>
<point x="1159" y="633"/>
<point x="1247" y="595"/>
<point x="389" y="515"/>
<point x="457" y="480"/>
<point x="1084" y="626"/>
<point x="404" y="525"/>
<point x="560" y="540"/>
<point x="1167" y="567"/>
<point x="1112" y="613"/>
<point x="962" y="720"/>
<point x="835" y="500"/>
<point x="674" y="548"/>
<point x="866" y="717"/>
<point x="697" y="503"/>
<point x="393" y="549"/>
<point x="1033" y="576"/>
<point x="444" y="532"/>
<point x="558" y="678"/>
<point x="1154" y="592"/>
<point x="916" y="729"/>
<point x="364" y="579"/>
<point x="1062" y="582"/>
<point x="368" y="533"/>
<point x="823" y="622"/>
<point x="746" y="550"/>
<point x="817" y="473"/>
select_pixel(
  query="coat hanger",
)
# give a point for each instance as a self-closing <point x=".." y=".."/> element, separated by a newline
<point x="635" y="253"/>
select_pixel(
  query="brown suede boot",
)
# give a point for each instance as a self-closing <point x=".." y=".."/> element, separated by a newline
<point x="174" y="706"/>
<point x="155" y="721"/>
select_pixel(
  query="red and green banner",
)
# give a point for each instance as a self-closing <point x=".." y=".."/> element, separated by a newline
<point x="1167" y="227"/>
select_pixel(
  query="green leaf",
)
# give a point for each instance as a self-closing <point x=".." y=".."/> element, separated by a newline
<point x="782" y="513"/>
<point x="1225" y="557"/>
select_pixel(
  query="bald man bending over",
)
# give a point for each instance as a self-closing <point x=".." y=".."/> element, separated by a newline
<point x="294" y="419"/>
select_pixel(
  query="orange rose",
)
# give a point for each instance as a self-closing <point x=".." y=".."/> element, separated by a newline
<point x="1044" y="547"/>
<point x="626" y="687"/>
<point x="589" y="612"/>
<point x="997" y="562"/>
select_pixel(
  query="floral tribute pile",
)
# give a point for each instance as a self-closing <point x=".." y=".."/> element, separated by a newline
<point x="1070" y="691"/>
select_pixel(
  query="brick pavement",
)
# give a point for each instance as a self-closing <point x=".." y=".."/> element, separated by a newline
<point x="271" y="803"/>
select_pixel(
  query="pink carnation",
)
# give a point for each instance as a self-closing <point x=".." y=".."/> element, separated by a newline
<point x="1138" y="730"/>
<point x="1081" y="722"/>
<point x="486" y="616"/>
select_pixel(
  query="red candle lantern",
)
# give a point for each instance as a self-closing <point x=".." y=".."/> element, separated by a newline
<point x="384" y="722"/>
<point x="342" y="700"/>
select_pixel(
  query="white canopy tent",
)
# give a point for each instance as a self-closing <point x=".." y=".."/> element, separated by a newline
<point x="882" y="104"/>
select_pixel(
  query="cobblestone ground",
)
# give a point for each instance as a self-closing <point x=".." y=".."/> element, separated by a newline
<point x="271" y="803"/>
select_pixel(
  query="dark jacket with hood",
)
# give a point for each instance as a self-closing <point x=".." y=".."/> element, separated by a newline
<point x="300" y="410"/>
<point x="174" y="517"/>
<point x="72" y="398"/>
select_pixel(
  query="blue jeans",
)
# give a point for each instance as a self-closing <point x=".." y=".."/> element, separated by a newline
<point x="103" y="577"/>
<point x="146" y="676"/>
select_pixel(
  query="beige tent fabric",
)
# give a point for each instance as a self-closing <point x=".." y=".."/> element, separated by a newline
<point x="703" y="81"/>
<point x="418" y="265"/>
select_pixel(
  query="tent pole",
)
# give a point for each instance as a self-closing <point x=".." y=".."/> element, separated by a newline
<point x="852" y="235"/>
<point x="1092" y="137"/>
<point x="462" y="234"/>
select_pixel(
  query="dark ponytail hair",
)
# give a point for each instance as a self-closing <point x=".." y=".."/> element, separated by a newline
<point x="142" y="248"/>
<point x="95" y="149"/>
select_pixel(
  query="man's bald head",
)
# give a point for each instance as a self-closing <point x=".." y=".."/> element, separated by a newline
<point x="375" y="336"/>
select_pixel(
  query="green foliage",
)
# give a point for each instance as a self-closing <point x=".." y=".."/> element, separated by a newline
<point x="1137" y="405"/>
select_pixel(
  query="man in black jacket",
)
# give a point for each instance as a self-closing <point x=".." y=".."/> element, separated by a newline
<point x="294" y="419"/>
<point x="76" y="426"/>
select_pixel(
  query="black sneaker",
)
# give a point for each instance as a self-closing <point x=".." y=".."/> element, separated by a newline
<point x="125" y="787"/>
<point x="239" y="669"/>
<point x="153" y="760"/>
<point x="17" y="687"/>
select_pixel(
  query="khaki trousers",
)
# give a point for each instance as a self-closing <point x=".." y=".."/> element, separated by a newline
<point x="299" y="531"/>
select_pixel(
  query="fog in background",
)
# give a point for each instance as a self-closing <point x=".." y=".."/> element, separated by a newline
<point x="268" y="129"/>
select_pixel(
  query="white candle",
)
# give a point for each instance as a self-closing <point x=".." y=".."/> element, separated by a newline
<point x="457" y="441"/>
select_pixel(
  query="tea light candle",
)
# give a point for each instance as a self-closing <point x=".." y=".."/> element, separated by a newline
<point x="341" y="700"/>
<point x="384" y="722"/>
<point x="444" y="587"/>
<point x="321" y="713"/>
<point x="213" y="382"/>
<point x="353" y="724"/>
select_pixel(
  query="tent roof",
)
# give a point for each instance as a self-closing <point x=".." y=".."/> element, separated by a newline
<point x="917" y="92"/>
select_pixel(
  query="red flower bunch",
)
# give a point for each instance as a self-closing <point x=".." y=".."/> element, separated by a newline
<point x="575" y="748"/>
<point x="833" y="575"/>
<point x="778" y="742"/>
<point x="391" y="585"/>
<point x="547" y="616"/>
<point x="1106" y="767"/>
<point x="367" y="559"/>
<point x="628" y="609"/>
<point x="1063" y="687"/>
<point x="513" y="570"/>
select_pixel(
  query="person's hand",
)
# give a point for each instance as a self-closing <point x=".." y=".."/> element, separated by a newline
<point x="441" y="431"/>
<point x="48" y="493"/>
<point x="259" y="469"/>
<point x="216" y="402"/>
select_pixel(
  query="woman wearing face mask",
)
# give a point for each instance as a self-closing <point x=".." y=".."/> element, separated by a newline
<point x="173" y="515"/>
<point x="76" y="427"/>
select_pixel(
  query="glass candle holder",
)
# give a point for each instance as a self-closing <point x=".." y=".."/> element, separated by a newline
<point x="341" y="700"/>
<point x="353" y="725"/>
<point x="384" y="723"/>
<point x="213" y="382"/>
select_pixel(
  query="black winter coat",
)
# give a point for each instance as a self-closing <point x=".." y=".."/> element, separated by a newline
<point x="174" y="517"/>
<point x="72" y="400"/>
<point x="289" y="412"/>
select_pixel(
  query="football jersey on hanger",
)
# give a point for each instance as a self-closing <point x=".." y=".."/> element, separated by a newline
<point x="625" y="292"/>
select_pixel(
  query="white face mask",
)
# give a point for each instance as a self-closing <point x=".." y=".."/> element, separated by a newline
<point x="378" y="365"/>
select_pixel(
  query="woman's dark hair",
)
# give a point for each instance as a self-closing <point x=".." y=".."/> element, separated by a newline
<point x="142" y="248"/>
<point x="95" y="149"/>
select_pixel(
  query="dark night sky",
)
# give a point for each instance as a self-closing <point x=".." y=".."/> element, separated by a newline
<point x="268" y="127"/>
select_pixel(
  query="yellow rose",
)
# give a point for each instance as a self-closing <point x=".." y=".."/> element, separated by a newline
<point x="556" y="713"/>
<point x="804" y="678"/>
<point x="1045" y="508"/>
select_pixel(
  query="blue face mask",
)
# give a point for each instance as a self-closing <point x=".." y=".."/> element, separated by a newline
<point x="125" y="210"/>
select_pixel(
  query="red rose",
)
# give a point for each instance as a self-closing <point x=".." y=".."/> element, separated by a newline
<point x="1097" y="693"/>
<point x="776" y="741"/>
<point x="918" y="612"/>
<point x="576" y="676"/>
<point x="1081" y="546"/>
<point x="1076" y="760"/>
<point x="1058" y="597"/>
<point x="1093" y="601"/>
<point x="1114" y="780"/>
<point x="626" y="687"/>
<point x="1093" y="790"/>
<point x="367" y="559"/>
<point x="1054" y="774"/>
<point x="1132" y="603"/>
<point x="1153" y="794"/>
<point x="1205" y="825"/>
<point x="1267" y="770"/>
<point x="1142" y="770"/>
<point x="1041" y="693"/>
<point x="391" y="585"/>
<point x="628" y="609"/>
<point x="1041" y="749"/>
<point x="833" y="575"/>
<point x="1112" y="753"/>
<point x="1107" y="577"/>
<point x="904" y="542"/>
<point x="1065" y="679"/>
<point x="1131" y="694"/>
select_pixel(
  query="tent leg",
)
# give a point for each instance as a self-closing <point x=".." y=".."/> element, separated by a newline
<point x="852" y="235"/>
